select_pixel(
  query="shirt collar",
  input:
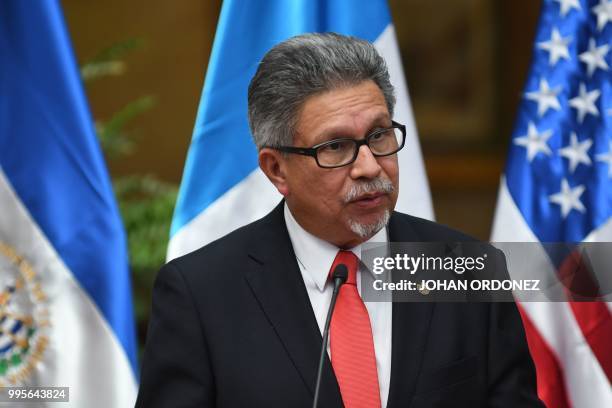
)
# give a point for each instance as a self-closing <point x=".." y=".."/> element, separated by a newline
<point x="316" y="255"/>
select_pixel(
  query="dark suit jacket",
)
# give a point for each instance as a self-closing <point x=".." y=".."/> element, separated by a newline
<point x="232" y="326"/>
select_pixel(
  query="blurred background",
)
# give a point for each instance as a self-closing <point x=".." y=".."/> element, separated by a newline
<point x="144" y="64"/>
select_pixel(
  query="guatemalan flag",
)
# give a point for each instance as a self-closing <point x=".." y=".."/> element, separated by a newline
<point x="223" y="187"/>
<point x="66" y="315"/>
<point x="558" y="188"/>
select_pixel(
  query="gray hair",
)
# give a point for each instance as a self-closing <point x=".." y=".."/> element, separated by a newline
<point x="304" y="66"/>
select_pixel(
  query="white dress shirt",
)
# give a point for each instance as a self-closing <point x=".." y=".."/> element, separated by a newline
<point x="315" y="257"/>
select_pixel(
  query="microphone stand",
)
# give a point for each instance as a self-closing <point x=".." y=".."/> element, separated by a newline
<point x="340" y="275"/>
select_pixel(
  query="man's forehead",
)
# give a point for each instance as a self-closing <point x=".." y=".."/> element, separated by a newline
<point x="345" y="110"/>
<point x="359" y="122"/>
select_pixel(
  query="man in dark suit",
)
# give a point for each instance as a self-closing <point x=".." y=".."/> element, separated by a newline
<point x="238" y="322"/>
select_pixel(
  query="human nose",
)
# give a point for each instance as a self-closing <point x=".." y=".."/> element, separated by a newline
<point x="365" y="165"/>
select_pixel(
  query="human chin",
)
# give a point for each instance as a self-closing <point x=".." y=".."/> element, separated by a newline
<point x="367" y="229"/>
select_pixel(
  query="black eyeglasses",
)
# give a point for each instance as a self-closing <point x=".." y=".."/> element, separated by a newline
<point x="344" y="151"/>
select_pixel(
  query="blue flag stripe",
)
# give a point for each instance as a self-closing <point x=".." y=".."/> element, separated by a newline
<point x="222" y="153"/>
<point x="50" y="154"/>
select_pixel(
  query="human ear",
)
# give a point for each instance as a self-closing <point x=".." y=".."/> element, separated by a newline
<point x="273" y="164"/>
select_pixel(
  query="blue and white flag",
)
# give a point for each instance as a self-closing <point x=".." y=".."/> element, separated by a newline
<point x="558" y="188"/>
<point x="66" y="316"/>
<point x="223" y="187"/>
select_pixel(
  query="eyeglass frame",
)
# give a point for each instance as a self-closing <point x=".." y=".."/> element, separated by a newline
<point x="312" y="151"/>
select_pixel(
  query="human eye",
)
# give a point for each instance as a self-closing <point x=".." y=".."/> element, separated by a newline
<point x="336" y="146"/>
<point x="380" y="135"/>
<point x="377" y="136"/>
<point x="336" y="152"/>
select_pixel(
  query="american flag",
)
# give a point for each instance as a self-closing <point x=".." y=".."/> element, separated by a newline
<point x="558" y="188"/>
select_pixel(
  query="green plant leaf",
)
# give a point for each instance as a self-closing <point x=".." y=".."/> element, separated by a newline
<point x="115" y="141"/>
<point x="108" y="61"/>
<point x="95" y="70"/>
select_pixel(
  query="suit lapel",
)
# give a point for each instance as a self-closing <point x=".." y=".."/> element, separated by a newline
<point x="410" y="330"/>
<point x="279" y="288"/>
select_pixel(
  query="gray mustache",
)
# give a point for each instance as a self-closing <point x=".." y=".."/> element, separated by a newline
<point x="378" y="185"/>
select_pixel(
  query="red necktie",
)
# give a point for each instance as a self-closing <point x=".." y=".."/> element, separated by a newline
<point x="352" y="345"/>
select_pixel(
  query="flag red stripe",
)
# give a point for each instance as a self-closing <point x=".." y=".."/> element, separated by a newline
<point x="551" y="386"/>
<point x="593" y="318"/>
<point x="595" y="322"/>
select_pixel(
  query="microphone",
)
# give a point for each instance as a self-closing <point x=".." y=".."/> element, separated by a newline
<point x="340" y="275"/>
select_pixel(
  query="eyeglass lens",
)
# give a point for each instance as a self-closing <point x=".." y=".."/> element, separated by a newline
<point x="342" y="152"/>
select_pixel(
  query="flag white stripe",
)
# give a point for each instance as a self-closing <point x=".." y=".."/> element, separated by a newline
<point x="414" y="196"/>
<point x="247" y="201"/>
<point x="586" y="383"/>
<point x="603" y="234"/>
<point x="83" y="352"/>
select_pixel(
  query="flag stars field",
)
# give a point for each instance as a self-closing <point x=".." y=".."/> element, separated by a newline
<point x="545" y="97"/>
<point x="565" y="6"/>
<point x="576" y="152"/>
<point x="584" y="103"/>
<point x="604" y="13"/>
<point x="595" y="57"/>
<point x="534" y="142"/>
<point x="568" y="198"/>
<point x="556" y="47"/>
<point x="565" y="115"/>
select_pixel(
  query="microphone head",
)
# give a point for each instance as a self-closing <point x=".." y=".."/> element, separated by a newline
<point x="340" y="272"/>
